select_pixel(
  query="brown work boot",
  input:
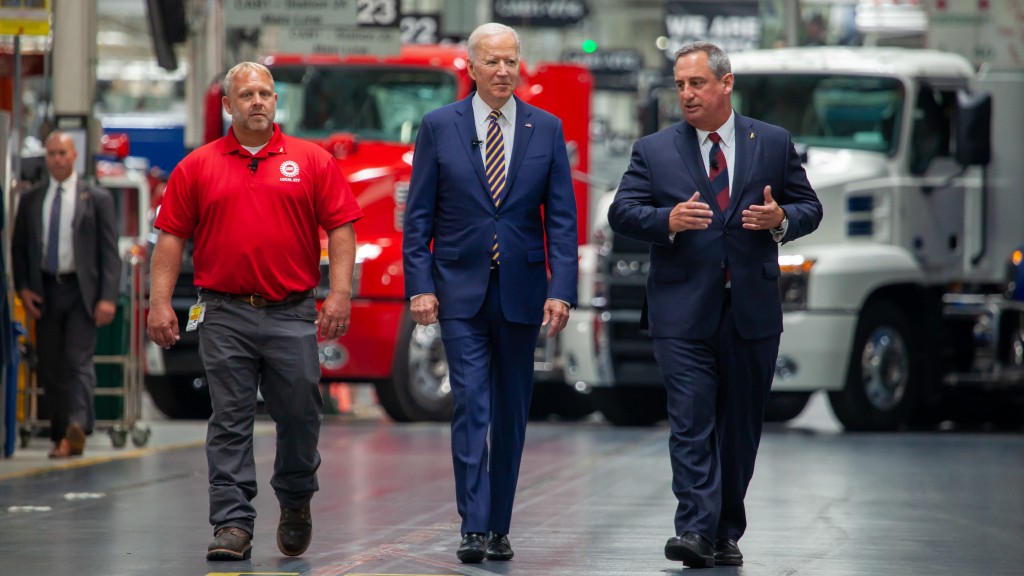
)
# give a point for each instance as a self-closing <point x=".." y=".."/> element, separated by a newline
<point x="294" y="530"/>
<point x="76" y="439"/>
<point x="61" y="449"/>
<point x="231" y="543"/>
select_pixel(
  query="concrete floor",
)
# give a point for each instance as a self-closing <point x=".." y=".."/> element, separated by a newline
<point x="592" y="500"/>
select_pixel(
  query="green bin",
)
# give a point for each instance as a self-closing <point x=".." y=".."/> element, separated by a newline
<point x="112" y="340"/>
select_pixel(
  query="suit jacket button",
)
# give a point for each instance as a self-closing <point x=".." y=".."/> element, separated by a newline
<point x="723" y="264"/>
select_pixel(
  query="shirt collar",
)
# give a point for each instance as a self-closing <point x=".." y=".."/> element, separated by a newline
<point x="481" y="110"/>
<point x="229" y="144"/>
<point x="69" y="183"/>
<point x="726" y="131"/>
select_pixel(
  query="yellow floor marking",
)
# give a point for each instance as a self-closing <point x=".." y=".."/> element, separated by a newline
<point x="252" y="573"/>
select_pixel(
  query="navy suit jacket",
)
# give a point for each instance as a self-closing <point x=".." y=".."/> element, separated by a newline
<point x="687" y="275"/>
<point x="450" y="205"/>
<point x="94" y="240"/>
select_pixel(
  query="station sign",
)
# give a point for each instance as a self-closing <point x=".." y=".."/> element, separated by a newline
<point x="611" y="69"/>
<point x="732" y="25"/>
<point x="539" y="13"/>
<point x="349" y="41"/>
<point x="25" y="17"/>
<point x="289" y="13"/>
<point x="335" y="27"/>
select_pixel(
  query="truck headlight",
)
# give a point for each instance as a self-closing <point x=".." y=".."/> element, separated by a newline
<point x="795" y="281"/>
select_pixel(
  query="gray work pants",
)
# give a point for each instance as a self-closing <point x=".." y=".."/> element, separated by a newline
<point x="275" y="349"/>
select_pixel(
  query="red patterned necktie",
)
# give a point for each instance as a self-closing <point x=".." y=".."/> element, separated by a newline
<point x="718" y="172"/>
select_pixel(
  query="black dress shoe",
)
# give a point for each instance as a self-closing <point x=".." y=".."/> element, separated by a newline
<point x="499" y="548"/>
<point x="473" y="548"/>
<point x="727" y="553"/>
<point x="694" y="550"/>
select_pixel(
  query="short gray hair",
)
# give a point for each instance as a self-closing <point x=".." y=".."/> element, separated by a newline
<point x="718" y="61"/>
<point x="229" y="78"/>
<point x="487" y="30"/>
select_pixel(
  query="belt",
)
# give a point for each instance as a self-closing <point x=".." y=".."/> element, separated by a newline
<point x="257" y="301"/>
<point x="65" y="278"/>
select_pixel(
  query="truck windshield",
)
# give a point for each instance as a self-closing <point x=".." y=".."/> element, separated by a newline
<point x="852" y="112"/>
<point x="374" y="103"/>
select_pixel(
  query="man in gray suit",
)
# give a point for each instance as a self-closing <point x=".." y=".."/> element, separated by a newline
<point x="66" y="270"/>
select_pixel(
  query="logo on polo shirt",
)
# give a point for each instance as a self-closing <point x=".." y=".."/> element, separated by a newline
<point x="290" y="171"/>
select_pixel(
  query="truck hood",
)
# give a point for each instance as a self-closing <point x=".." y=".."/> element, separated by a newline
<point x="836" y="175"/>
<point x="367" y="160"/>
<point x="830" y="168"/>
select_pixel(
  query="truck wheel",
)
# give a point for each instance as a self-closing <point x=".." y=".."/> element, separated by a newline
<point x="885" y="375"/>
<point x="180" y="397"/>
<point x="784" y="406"/>
<point x="418" y="389"/>
<point x="643" y="406"/>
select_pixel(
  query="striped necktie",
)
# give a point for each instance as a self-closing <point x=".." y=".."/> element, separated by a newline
<point x="494" y="167"/>
<point x="718" y="172"/>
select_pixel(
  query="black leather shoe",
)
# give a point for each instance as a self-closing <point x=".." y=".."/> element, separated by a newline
<point x="692" y="549"/>
<point x="230" y="543"/>
<point x="294" y="530"/>
<point x="727" y="553"/>
<point x="499" y="548"/>
<point x="473" y="548"/>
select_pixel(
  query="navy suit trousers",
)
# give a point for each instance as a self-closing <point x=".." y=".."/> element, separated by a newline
<point x="717" y="390"/>
<point x="491" y="367"/>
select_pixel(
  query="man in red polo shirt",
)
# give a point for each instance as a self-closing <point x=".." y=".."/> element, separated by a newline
<point x="253" y="202"/>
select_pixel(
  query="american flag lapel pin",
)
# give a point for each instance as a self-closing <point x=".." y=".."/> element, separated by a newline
<point x="528" y="125"/>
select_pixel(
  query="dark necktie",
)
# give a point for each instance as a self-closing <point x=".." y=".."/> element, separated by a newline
<point x="53" y="234"/>
<point x="494" y="166"/>
<point x="718" y="172"/>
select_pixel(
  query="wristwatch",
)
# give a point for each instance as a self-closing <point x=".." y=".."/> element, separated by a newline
<point x="782" y="225"/>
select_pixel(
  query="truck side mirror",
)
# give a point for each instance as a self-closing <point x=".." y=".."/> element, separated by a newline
<point x="973" y="128"/>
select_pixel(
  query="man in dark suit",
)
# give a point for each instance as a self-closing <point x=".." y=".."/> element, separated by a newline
<point x="66" y="270"/>
<point x="714" y="195"/>
<point x="490" y="179"/>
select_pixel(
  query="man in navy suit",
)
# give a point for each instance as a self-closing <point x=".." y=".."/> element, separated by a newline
<point x="714" y="195"/>
<point x="490" y="179"/>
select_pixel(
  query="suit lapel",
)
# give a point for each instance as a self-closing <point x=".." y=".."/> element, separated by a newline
<point x="35" y="215"/>
<point x="81" y="197"/>
<point x="746" y="143"/>
<point x="466" y="127"/>
<point x="689" y="149"/>
<point x="524" y="131"/>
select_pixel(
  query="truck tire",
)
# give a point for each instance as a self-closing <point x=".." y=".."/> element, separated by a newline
<point x="886" y="372"/>
<point x="180" y="397"/>
<point x="784" y="406"/>
<point x="639" y="406"/>
<point x="418" y="389"/>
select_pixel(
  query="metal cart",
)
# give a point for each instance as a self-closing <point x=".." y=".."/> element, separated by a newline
<point x="118" y="357"/>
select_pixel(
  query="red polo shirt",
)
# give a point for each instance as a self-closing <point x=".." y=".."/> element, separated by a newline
<point x="257" y="231"/>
